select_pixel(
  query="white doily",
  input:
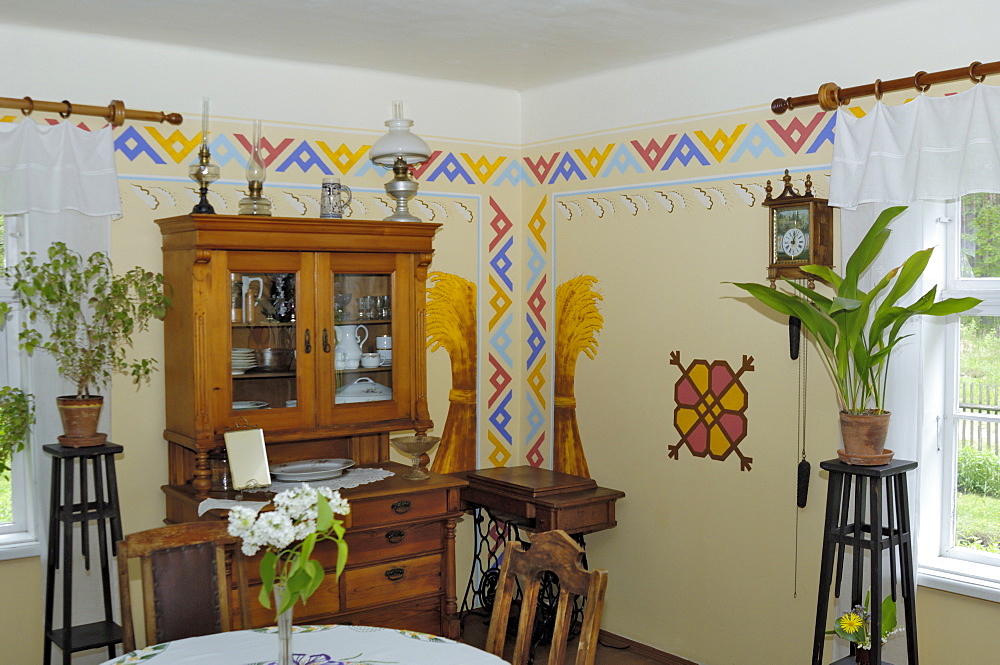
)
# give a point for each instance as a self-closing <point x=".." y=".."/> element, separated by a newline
<point x="351" y="478"/>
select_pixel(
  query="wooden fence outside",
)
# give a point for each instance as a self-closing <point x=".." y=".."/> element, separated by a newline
<point x="979" y="398"/>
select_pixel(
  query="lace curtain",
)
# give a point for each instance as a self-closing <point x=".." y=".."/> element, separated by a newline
<point x="55" y="168"/>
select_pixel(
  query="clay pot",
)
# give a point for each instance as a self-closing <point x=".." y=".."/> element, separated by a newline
<point x="79" y="420"/>
<point x="864" y="439"/>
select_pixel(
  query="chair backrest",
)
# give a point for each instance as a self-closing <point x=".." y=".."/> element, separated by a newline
<point x="556" y="553"/>
<point x="186" y="588"/>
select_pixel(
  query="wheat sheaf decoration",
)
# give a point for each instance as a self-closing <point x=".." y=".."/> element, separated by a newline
<point x="577" y="322"/>
<point x="451" y="325"/>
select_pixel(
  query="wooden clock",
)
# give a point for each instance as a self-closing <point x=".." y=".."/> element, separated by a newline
<point x="800" y="231"/>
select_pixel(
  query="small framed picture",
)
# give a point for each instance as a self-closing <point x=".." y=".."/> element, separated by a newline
<point x="247" y="458"/>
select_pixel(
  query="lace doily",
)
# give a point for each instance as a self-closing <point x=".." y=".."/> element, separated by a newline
<point x="351" y="478"/>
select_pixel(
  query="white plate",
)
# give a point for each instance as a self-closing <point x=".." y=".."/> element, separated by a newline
<point x="244" y="406"/>
<point x="311" y="469"/>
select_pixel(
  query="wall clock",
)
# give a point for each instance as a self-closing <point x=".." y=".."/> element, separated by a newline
<point x="800" y="231"/>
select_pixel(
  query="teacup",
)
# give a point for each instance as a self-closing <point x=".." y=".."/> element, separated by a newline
<point x="369" y="360"/>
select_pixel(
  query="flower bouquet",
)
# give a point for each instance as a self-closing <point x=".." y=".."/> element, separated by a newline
<point x="855" y="625"/>
<point x="301" y="518"/>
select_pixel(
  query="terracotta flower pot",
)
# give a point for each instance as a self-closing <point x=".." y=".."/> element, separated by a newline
<point x="864" y="439"/>
<point x="79" y="420"/>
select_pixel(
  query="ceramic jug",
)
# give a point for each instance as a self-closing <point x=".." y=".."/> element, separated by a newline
<point x="349" y="341"/>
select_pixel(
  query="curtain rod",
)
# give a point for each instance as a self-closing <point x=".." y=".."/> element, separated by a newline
<point x="830" y="95"/>
<point x="115" y="112"/>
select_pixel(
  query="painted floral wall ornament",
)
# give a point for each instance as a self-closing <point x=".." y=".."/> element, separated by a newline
<point x="451" y="325"/>
<point x="711" y="409"/>
<point x="577" y="321"/>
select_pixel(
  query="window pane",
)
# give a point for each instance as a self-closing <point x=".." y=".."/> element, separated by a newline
<point x="980" y="242"/>
<point x="977" y="501"/>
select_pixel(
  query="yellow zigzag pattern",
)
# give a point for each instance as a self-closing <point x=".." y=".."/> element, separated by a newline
<point x="342" y="157"/>
<point x="500" y="302"/>
<point x="168" y="142"/>
<point x="537" y="224"/>
<point x="593" y="161"/>
<point x="482" y="167"/>
<point x="720" y="137"/>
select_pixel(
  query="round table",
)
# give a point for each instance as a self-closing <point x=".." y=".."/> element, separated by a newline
<point x="312" y="645"/>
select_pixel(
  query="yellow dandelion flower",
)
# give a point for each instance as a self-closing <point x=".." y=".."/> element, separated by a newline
<point x="850" y="623"/>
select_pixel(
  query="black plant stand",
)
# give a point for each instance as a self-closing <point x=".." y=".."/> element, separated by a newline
<point x="101" y="508"/>
<point x="880" y="533"/>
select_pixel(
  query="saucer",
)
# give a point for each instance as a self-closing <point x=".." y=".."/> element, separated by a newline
<point x="866" y="460"/>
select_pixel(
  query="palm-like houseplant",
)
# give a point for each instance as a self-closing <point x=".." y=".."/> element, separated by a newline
<point x="90" y="315"/>
<point x="857" y="330"/>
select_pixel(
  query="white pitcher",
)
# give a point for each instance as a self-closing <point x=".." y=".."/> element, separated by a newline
<point x="349" y="341"/>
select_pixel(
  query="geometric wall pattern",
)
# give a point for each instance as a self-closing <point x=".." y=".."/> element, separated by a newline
<point x="685" y="151"/>
<point x="499" y="371"/>
<point x="538" y="338"/>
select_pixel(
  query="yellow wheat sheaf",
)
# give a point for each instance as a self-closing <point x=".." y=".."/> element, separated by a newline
<point x="451" y="307"/>
<point x="577" y="321"/>
<point x="451" y="325"/>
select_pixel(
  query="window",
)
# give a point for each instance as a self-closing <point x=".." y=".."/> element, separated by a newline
<point x="17" y="525"/>
<point x="961" y="548"/>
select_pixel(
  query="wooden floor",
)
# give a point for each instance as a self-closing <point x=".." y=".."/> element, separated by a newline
<point x="609" y="652"/>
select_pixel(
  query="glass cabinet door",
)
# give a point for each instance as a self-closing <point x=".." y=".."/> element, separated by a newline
<point x="269" y="338"/>
<point x="363" y="368"/>
<point x="363" y="329"/>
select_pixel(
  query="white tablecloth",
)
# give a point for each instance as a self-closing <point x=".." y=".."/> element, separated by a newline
<point x="313" y="645"/>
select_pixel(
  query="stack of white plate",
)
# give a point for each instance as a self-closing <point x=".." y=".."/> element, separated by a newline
<point x="243" y="359"/>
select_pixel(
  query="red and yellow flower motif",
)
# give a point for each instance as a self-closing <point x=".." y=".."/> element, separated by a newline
<point x="710" y="415"/>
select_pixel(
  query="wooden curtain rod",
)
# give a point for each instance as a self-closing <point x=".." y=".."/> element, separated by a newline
<point x="830" y="95"/>
<point x="115" y="112"/>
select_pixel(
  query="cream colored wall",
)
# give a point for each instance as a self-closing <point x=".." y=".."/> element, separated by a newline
<point x="703" y="561"/>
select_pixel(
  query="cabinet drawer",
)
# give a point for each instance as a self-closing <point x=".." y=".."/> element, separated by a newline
<point x="389" y="509"/>
<point x="393" y="542"/>
<point x="392" y="581"/>
<point x="423" y="616"/>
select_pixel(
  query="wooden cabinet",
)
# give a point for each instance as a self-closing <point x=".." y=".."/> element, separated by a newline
<point x="269" y="315"/>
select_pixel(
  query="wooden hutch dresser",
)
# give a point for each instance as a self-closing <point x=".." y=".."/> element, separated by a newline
<point x="284" y="292"/>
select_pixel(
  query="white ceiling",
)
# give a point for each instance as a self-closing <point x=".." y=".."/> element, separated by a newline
<point x="515" y="44"/>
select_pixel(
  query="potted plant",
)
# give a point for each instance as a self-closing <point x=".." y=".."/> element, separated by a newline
<point x="17" y="415"/>
<point x="90" y="315"/>
<point x="855" y="626"/>
<point x="857" y="331"/>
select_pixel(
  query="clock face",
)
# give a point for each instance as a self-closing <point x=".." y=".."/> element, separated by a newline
<point x="793" y="242"/>
<point x="790" y="234"/>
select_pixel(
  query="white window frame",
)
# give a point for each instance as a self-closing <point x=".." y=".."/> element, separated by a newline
<point x="21" y="537"/>
<point x="941" y="565"/>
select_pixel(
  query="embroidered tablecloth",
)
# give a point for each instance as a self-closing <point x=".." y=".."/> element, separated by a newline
<point x="312" y="645"/>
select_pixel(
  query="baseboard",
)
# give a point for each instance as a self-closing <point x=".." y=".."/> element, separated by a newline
<point x="612" y="641"/>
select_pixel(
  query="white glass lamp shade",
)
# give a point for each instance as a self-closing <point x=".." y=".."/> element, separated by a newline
<point x="399" y="142"/>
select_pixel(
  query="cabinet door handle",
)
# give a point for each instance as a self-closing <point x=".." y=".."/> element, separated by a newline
<point x="326" y="341"/>
<point x="395" y="536"/>
<point x="309" y="346"/>
<point x="401" y="507"/>
<point x="394" y="574"/>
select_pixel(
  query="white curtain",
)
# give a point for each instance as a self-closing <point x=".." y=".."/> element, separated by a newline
<point x="57" y="182"/>
<point x="929" y="149"/>
<point x="52" y="168"/>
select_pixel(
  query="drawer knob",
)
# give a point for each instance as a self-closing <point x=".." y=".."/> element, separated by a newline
<point x="395" y="536"/>
<point x="401" y="507"/>
<point x="394" y="574"/>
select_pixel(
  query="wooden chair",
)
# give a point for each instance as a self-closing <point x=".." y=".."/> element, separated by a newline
<point x="557" y="553"/>
<point x="185" y="587"/>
